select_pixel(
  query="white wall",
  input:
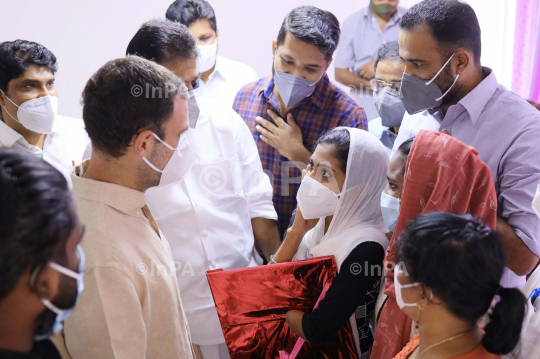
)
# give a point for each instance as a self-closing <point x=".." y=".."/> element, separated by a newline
<point x="85" y="34"/>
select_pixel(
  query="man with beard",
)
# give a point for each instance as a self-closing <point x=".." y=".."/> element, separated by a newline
<point x="131" y="307"/>
<point x="444" y="87"/>
<point x="40" y="258"/>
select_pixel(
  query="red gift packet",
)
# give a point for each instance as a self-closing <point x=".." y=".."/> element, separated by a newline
<point x="252" y="303"/>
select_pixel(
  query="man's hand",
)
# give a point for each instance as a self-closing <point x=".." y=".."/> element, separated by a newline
<point x="367" y="71"/>
<point x="520" y="259"/>
<point x="266" y="236"/>
<point x="286" y="137"/>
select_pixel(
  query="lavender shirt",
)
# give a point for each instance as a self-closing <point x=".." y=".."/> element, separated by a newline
<point x="505" y="130"/>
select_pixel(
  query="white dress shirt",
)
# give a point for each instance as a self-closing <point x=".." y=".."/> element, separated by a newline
<point x="207" y="217"/>
<point x="227" y="79"/>
<point x="75" y="136"/>
<point x="55" y="150"/>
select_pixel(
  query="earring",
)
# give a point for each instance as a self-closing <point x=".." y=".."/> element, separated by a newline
<point x="419" y="316"/>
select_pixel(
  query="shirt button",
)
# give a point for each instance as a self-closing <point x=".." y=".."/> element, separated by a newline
<point x="196" y="204"/>
<point x="205" y="234"/>
<point x="214" y="264"/>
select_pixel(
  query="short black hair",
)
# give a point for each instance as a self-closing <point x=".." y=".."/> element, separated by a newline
<point x="388" y="51"/>
<point x="462" y="261"/>
<point x="452" y="23"/>
<point x="340" y="139"/>
<point x="405" y="147"/>
<point x="16" y="56"/>
<point x="163" y="40"/>
<point x="126" y="96"/>
<point x="312" y="26"/>
<point x="187" y="12"/>
<point x="36" y="215"/>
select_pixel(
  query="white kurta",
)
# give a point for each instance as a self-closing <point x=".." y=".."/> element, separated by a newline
<point x="207" y="217"/>
<point x="55" y="150"/>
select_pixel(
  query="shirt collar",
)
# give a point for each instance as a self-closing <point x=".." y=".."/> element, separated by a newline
<point x="123" y="199"/>
<point x="475" y="101"/>
<point x="366" y="13"/>
<point x="219" y="70"/>
<point x="9" y="136"/>
<point x="318" y="97"/>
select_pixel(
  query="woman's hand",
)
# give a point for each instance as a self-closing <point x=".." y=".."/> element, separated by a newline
<point x="300" y="225"/>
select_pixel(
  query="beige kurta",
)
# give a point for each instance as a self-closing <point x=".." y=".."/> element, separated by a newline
<point x="130" y="307"/>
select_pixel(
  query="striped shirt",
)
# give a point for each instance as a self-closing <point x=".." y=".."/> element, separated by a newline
<point x="328" y="107"/>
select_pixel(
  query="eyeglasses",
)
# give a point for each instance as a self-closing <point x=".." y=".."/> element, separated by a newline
<point x="378" y="85"/>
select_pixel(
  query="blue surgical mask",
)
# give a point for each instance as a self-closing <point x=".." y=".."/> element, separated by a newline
<point x="293" y="89"/>
<point x="418" y="95"/>
<point x="63" y="314"/>
<point x="390" y="210"/>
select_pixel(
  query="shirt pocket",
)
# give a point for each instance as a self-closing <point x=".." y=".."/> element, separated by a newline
<point x="221" y="182"/>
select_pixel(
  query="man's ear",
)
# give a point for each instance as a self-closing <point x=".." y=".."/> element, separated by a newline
<point x="328" y="64"/>
<point x="274" y="48"/>
<point x="463" y="59"/>
<point x="217" y="37"/>
<point x="2" y="99"/>
<point x="143" y="143"/>
<point x="47" y="283"/>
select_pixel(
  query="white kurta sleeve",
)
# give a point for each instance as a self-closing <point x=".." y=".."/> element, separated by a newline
<point x="256" y="184"/>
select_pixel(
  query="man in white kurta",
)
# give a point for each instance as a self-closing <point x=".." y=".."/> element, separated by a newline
<point x="207" y="217"/>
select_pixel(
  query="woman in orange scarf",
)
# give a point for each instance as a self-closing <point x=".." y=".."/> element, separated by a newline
<point x="442" y="175"/>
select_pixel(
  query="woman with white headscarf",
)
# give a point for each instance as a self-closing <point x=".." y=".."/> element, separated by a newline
<point x="339" y="214"/>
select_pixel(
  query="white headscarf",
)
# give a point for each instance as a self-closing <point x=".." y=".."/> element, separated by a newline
<point x="358" y="217"/>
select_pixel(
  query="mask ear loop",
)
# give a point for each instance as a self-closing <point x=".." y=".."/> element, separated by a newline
<point x="275" y="70"/>
<point x="438" y="73"/>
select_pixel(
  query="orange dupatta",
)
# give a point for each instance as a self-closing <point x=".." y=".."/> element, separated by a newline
<point x="442" y="175"/>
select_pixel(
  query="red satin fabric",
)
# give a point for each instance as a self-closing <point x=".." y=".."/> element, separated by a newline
<point x="252" y="303"/>
<point x="442" y="175"/>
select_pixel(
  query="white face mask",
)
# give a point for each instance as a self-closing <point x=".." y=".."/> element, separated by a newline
<point x="390" y="210"/>
<point x="179" y="164"/>
<point x="316" y="200"/>
<point x="207" y="56"/>
<point x="398" y="288"/>
<point x="536" y="201"/>
<point x="36" y="115"/>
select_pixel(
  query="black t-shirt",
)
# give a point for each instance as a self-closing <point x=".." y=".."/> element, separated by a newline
<point x="353" y="291"/>
<point x="43" y="349"/>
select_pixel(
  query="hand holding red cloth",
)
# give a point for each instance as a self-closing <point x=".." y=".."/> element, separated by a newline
<point x="252" y="304"/>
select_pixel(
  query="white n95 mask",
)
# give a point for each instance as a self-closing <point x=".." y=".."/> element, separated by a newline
<point x="179" y="164"/>
<point x="315" y="200"/>
<point x="398" y="288"/>
<point x="207" y="56"/>
<point x="36" y="115"/>
<point x="390" y="210"/>
<point x="536" y="201"/>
